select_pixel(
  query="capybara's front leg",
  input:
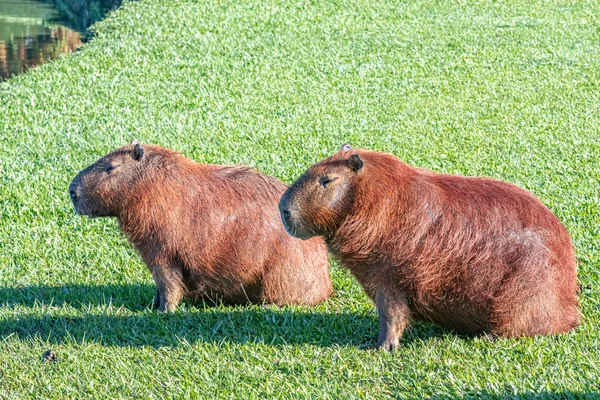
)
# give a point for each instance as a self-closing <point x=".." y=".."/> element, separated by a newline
<point x="156" y="302"/>
<point x="169" y="286"/>
<point x="394" y="317"/>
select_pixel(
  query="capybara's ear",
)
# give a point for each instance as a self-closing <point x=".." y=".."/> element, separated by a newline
<point x="345" y="147"/>
<point x="133" y="142"/>
<point x="355" y="162"/>
<point x="138" y="151"/>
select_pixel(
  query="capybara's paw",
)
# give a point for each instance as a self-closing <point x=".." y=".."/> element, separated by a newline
<point x="167" y="308"/>
<point x="387" y="344"/>
<point x="162" y="309"/>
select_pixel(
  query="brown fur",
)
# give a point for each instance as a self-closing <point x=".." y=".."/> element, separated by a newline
<point x="472" y="254"/>
<point x="204" y="231"/>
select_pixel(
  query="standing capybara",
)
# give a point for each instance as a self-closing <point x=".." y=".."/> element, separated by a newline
<point x="204" y="231"/>
<point x="472" y="254"/>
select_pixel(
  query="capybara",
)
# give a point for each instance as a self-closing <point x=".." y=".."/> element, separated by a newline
<point x="475" y="255"/>
<point x="206" y="232"/>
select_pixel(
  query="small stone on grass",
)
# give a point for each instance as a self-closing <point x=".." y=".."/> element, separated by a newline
<point x="49" y="356"/>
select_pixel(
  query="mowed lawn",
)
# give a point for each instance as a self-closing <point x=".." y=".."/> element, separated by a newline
<point x="503" y="89"/>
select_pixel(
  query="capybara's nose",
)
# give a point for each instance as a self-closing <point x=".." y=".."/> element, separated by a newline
<point x="73" y="193"/>
<point x="286" y="214"/>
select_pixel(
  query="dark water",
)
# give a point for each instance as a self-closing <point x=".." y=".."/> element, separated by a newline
<point x="33" y="32"/>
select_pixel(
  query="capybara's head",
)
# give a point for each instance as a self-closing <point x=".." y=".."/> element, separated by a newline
<point x="100" y="189"/>
<point x="317" y="203"/>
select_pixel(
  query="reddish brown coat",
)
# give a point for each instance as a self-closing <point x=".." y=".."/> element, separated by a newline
<point x="472" y="254"/>
<point x="204" y="231"/>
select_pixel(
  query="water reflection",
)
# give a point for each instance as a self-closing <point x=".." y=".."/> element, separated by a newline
<point x="33" y="32"/>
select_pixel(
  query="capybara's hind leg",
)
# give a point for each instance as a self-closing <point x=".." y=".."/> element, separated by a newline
<point x="540" y="314"/>
<point x="296" y="280"/>
<point x="394" y="317"/>
<point x="169" y="286"/>
<point x="519" y="312"/>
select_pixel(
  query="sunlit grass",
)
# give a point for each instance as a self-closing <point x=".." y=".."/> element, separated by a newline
<point x="505" y="89"/>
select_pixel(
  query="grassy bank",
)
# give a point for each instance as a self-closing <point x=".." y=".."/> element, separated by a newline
<point x="509" y="90"/>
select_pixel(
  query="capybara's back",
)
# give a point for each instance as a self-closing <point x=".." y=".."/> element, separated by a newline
<point x="472" y="254"/>
<point x="205" y="231"/>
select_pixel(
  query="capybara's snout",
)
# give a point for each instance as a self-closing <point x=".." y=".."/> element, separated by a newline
<point x="75" y="191"/>
<point x="80" y="194"/>
<point x="291" y="216"/>
<point x="286" y="214"/>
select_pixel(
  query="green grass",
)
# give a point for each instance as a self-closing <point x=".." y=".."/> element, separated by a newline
<point x="504" y="89"/>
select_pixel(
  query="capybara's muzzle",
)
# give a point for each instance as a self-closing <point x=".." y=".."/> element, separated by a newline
<point x="75" y="193"/>
<point x="290" y="218"/>
<point x="286" y="215"/>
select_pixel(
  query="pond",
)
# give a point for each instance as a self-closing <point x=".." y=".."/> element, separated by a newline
<point x="33" y="32"/>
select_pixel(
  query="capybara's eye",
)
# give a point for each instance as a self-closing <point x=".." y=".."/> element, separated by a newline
<point x="110" y="168"/>
<point x="326" y="180"/>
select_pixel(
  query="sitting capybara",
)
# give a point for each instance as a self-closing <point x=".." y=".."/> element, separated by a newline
<point x="204" y="231"/>
<point x="475" y="255"/>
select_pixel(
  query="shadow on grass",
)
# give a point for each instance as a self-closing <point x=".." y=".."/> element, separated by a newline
<point x="529" y="395"/>
<point x="268" y="325"/>
<point x="130" y="296"/>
